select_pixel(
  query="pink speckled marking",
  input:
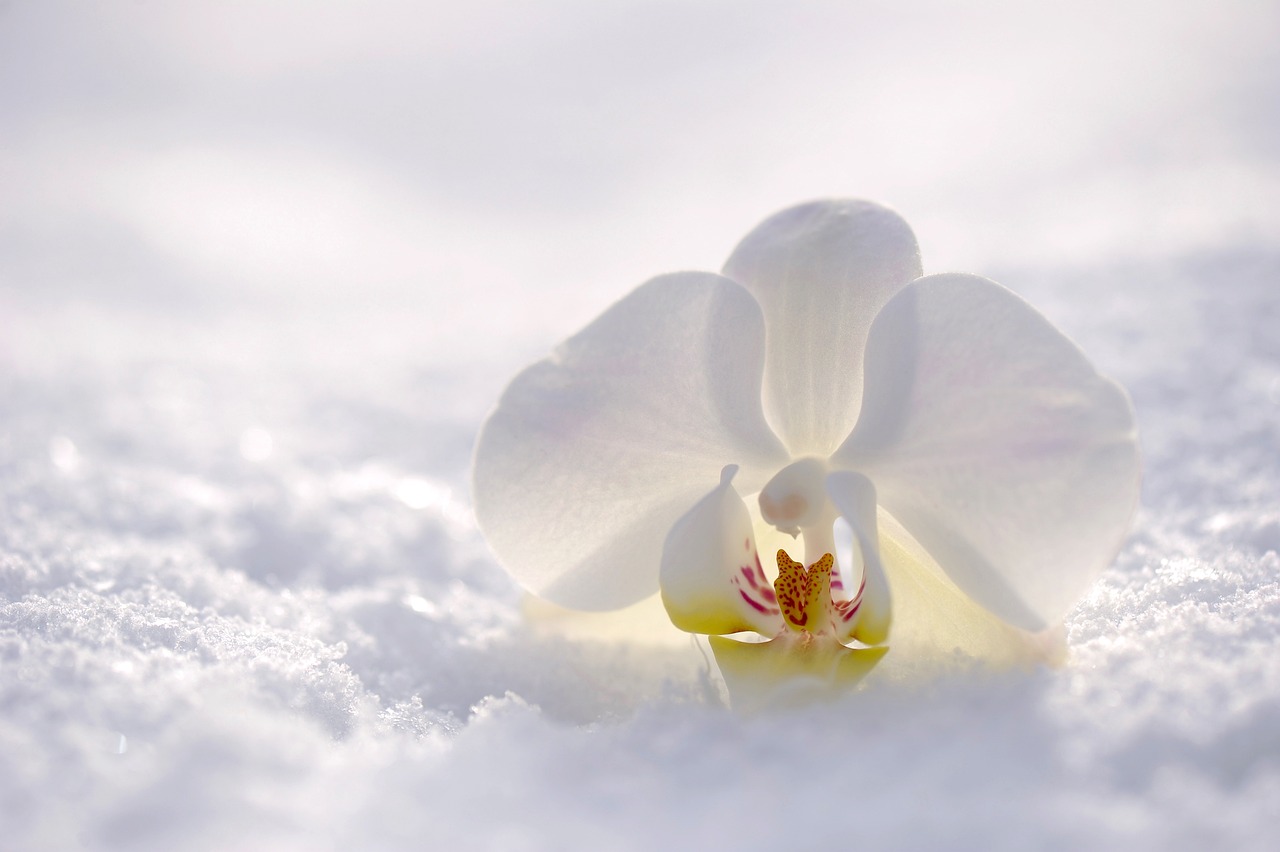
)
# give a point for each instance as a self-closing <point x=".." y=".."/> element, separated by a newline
<point x="749" y="597"/>
<point x="765" y="587"/>
<point x="848" y="609"/>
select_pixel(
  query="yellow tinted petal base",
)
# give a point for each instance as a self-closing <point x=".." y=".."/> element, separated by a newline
<point x="790" y="671"/>
<point x="937" y="628"/>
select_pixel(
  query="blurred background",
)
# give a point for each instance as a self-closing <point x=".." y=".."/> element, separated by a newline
<point x="264" y="266"/>
<point x="503" y="170"/>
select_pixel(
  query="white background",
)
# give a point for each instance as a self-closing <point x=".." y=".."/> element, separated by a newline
<point x="264" y="267"/>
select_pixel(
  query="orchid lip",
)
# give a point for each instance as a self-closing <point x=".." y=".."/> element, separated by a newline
<point x="805" y="596"/>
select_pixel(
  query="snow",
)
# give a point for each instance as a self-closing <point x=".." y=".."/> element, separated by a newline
<point x="264" y="270"/>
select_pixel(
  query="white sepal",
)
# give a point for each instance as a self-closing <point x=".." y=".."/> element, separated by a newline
<point x="821" y="271"/>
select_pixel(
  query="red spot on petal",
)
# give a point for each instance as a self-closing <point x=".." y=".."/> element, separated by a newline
<point x="756" y="605"/>
<point x="848" y="609"/>
<point x="750" y="574"/>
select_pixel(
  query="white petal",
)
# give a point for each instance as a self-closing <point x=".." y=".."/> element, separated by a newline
<point x="593" y="453"/>
<point x="995" y="443"/>
<point x="855" y="498"/>
<point x="712" y="581"/>
<point x="821" y="272"/>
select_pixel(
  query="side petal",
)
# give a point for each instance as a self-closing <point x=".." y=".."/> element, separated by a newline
<point x="996" y="444"/>
<point x="821" y="272"/>
<point x="593" y="453"/>
<point x="869" y="613"/>
<point x="711" y="578"/>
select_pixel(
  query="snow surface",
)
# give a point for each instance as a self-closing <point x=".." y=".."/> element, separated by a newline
<point x="264" y="269"/>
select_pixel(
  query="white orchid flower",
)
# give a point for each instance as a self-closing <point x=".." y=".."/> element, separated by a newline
<point x="988" y="473"/>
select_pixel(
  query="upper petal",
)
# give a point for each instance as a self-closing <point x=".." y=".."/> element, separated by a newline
<point x="996" y="444"/>
<point x="821" y="271"/>
<point x="593" y="453"/>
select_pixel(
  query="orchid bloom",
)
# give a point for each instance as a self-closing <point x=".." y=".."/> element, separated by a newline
<point x="987" y="472"/>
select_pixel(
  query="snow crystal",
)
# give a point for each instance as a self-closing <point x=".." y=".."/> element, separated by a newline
<point x="255" y="302"/>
